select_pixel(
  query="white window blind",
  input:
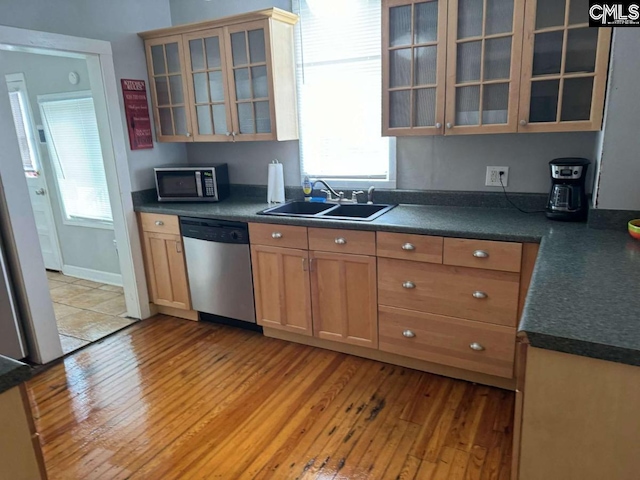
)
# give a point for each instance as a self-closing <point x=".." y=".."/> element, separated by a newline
<point x="339" y="92"/>
<point x="74" y="145"/>
<point x="22" y="121"/>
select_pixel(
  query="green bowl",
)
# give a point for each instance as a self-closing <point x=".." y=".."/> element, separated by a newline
<point x="634" y="228"/>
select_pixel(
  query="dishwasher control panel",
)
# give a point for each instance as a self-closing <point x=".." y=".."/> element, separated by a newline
<point x="219" y="231"/>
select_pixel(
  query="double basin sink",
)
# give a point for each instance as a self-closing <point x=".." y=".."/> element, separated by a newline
<point x="349" y="211"/>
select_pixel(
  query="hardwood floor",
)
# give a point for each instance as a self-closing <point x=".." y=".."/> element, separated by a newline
<point x="169" y="398"/>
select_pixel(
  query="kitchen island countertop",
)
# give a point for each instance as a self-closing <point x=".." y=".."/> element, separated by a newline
<point x="584" y="297"/>
<point x="12" y="373"/>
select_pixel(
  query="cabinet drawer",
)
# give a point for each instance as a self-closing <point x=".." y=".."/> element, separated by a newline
<point x="158" y="223"/>
<point x="470" y="293"/>
<point x="342" y="241"/>
<point x="278" y="235"/>
<point x="420" y="248"/>
<point x="505" y="256"/>
<point x="466" y="344"/>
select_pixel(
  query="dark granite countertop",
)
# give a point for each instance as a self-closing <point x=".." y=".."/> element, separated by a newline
<point x="12" y="373"/>
<point x="584" y="296"/>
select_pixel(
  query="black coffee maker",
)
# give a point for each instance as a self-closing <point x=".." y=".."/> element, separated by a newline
<point x="568" y="197"/>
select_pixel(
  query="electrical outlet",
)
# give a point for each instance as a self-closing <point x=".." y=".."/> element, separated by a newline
<point x="493" y="176"/>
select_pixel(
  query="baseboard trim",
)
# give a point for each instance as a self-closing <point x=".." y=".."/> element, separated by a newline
<point x="446" y="371"/>
<point x="93" y="275"/>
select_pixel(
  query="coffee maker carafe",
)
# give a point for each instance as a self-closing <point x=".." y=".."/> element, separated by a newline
<point x="568" y="197"/>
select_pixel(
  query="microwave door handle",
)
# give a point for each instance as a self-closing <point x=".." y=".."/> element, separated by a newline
<point x="199" y="183"/>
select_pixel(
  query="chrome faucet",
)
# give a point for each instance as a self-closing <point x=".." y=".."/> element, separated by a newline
<point x="370" y="195"/>
<point x="333" y="196"/>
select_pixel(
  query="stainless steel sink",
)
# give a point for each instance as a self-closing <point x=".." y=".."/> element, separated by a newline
<point x="350" y="211"/>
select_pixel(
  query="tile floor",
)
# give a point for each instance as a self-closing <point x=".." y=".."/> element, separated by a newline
<point x="86" y="311"/>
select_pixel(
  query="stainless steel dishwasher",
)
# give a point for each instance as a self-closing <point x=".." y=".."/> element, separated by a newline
<point x="219" y="268"/>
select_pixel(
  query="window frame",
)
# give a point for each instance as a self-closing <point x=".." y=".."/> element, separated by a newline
<point x="17" y="82"/>
<point x="335" y="181"/>
<point x="66" y="218"/>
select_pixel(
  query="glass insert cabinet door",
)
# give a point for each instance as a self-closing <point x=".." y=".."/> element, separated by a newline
<point x="483" y="66"/>
<point x="250" y="81"/>
<point x="166" y="64"/>
<point x="207" y="84"/>
<point x="564" y="68"/>
<point x="413" y="67"/>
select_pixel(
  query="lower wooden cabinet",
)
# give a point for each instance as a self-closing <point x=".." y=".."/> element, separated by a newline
<point x="281" y="287"/>
<point x="166" y="270"/>
<point x="344" y="298"/>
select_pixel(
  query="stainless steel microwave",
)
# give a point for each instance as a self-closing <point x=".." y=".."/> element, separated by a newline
<point x="192" y="184"/>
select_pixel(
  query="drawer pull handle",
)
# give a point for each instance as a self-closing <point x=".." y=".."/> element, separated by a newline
<point x="159" y="223"/>
<point x="476" y="346"/>
<point x="408" y="285"/>
<point x="480" y="254"/>
<point x="340" y="241"/>
<point x="408" y="246"/>
<point x="479" y="295"/>
<point x="276" y="235"/>
<point x="408" y="334"/>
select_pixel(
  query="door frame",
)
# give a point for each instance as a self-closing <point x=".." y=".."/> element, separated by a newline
<point x="99" y="57"/>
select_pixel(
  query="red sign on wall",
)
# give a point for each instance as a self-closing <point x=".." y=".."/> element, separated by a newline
<point x="137" y="112"/>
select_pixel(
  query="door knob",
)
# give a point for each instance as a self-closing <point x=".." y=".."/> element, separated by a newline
<point x="41" y="191"/>
<point x="523" y="122"/>
<point x="408" y="334"/>
<point x="438" y="125"/>
<point x="449" y="125"/>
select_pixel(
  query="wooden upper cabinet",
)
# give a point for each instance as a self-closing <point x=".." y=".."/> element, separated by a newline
<point x="483" y="66"/>
<point x="167" y="77"/>
<point x="413" y="67"/>
<point x="231" y="79"/>
<point x="564" y="68"/>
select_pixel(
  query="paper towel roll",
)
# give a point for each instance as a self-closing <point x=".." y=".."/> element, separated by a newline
<point x="275" y="183"/>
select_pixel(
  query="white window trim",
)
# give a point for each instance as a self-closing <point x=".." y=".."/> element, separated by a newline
<point x="17" y="82"/>
<point x="352" y="184"/>
<point x="66" y="219"/>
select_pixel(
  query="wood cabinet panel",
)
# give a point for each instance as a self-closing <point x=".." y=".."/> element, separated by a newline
<point x="342" y="241"/>
<point x="490" y="255"/>
<point x="448" y="341"/>
<point x="344" y="298"/>
<point x="160" y="223"/>
<point x="419" y="248"/>
<point x="471" y="293"/>
<point x="166" y="270"/>
<point x="282" y="288"/>
<point x="287" y="236"/>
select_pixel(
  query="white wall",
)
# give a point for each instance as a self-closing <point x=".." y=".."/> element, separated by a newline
<point x="423" y="163"/>
<point x="83" y="247"/>
<point x="117" y="21"/>
<point x="619" y="187"/>
<point x="187" y="11"/>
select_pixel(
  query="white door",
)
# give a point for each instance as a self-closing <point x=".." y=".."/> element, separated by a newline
<point x="38" y="192"/>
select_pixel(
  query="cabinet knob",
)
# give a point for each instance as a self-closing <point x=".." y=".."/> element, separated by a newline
<point x="408" y="334"/>
<point x="188" y="134"/>
<point x="41" y="191"/>
<point x="408" y="246"/>
<point x="523" y="122"/>
<point x="228" y="134"/>
<point x="408" y="285"/>
<point x="476" y="346"/>
<point x="159" y="223"/>
<point x="481" y="254"/>
<point x="480" y="295"/>
<point x="449" y="125"/>
<point x="276" y="235"/>
<point x="340" y="241"/>
<point x="438" y="125"/>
